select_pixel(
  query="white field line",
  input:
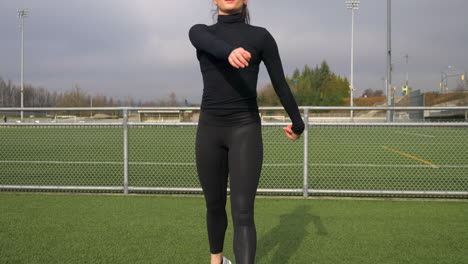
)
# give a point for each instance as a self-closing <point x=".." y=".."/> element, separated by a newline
<point x="393" y="143"/>
<point x="416" y="134"/>
<point x="265" y="165"/>
<point x="384" y="165"/>
<point x="59" y="162"/>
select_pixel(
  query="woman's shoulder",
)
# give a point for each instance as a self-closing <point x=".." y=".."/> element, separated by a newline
<point x="262" y="33"/>
<point x="200" y="27"/>
<point x="258" y="29"/>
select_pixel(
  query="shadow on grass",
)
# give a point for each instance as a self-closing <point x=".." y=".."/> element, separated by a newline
<point x="287" y="236"/>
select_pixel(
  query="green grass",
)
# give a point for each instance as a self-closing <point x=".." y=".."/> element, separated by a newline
<point x="70" y="228"/>
<point x="164" y="156"/>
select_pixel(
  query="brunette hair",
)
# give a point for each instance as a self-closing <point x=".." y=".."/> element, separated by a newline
<point x="245" y="13"/>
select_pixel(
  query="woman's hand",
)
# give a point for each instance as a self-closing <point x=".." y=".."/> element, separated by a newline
<point x="289" y="133"/>
<point x="239" y="58"/>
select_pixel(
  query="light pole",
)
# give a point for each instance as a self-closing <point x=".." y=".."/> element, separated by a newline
<point x="91" y="111"/>
<point x="353" y="5"/>
<point x="389" y="60"/>
<point x="407" y="70"/>
<point x="22" y="13"/>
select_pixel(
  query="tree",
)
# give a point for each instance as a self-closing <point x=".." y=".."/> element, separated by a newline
<point x="367" y="93"/>
<point x="371" y="93"/>
<point x="172" y="99"/>
<point x="76" y="97"/>
<point x="10" y="95"/>
<point x="317" y="86"/>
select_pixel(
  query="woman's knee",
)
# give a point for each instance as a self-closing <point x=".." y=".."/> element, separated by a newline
<point x="243" y="218"/>
<point x="216" y="206"/>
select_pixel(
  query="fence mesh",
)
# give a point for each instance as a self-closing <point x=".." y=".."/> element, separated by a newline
<point x="162" y="156"/>
<point x="61" y="155"/>
<point x="388" y="158"/>
<point x="341" y="156"/>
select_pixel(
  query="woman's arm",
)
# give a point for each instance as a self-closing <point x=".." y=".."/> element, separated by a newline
<point x="206" y="41"/>
<point x="272" y="60"/>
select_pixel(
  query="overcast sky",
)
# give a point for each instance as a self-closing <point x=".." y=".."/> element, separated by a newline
<point x="141" y="47"/>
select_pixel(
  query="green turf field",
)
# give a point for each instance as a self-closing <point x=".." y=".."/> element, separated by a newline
<point x="340" y="157"/>
<point x="73" y="228"/>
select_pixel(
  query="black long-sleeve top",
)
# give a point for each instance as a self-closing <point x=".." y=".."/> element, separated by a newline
<point x="226" y="87"/>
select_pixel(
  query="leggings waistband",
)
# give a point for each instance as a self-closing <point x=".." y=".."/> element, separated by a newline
<point x="228" y="117"/>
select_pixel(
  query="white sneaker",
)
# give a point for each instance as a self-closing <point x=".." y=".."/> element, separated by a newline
<point x="226" y="261"/>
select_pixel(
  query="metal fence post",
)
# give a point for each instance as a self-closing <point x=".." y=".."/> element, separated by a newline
<point x="306" y="152"/>
<point x="326" y="182"/>
<point x="125" y="129"/>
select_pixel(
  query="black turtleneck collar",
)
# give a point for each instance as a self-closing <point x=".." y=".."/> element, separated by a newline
<point x="234" y="18"/>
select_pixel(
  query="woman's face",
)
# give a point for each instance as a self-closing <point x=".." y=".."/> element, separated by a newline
<point x="227" y="7"/>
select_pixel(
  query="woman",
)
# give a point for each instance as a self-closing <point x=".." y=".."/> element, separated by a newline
<point x="229" y="139"/>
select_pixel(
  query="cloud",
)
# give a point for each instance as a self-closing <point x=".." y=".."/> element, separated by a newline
<point x="141" y="47"/>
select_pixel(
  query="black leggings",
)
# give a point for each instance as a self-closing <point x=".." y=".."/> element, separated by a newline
<point x="230" y="144"/>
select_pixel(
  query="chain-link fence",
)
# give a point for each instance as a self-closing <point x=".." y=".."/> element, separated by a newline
<point x="153" y="150"/>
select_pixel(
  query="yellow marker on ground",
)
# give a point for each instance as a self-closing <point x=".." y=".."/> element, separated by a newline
<point x="413" y="157"/>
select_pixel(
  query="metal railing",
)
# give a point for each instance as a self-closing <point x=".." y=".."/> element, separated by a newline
<point x="341" y="155"/>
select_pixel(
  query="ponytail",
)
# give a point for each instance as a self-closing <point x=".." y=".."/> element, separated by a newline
<point x="246" y="14"/>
